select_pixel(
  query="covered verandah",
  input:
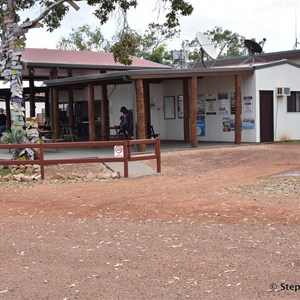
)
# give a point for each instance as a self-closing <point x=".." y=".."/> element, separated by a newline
<point x="140" y="81"/>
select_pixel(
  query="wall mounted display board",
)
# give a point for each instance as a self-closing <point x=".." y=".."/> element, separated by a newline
<point x="180" y="106"/>
<point x="169" y="104"/>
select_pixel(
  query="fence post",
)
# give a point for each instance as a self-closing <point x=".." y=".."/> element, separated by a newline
<point x="42" y="162"/>
<point x="126" y="157"/>
<point x="157" y="154"/>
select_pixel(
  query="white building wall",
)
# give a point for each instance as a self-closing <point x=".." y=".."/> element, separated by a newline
<point x="286" y="124"/>
<point x="173" y="129"/>
<point x="214" y="127"/>
<point x="157" y="109"/>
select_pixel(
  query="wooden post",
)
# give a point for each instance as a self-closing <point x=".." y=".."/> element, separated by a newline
<point x="186" y="110"/>
<point x="104" y="113"/>
<point x="55" y="109"/>
<point x="70" y="103"/>
<point x="91" y="113"/>
<point x="147" y="108"/>
<point x="193" y="112"/>
<point x="71" y="107"/>
<point x="140" y="113"/>
<point x="31" y="95"/>
<point x="47" y="104"/>
<point x="238" y="110"/>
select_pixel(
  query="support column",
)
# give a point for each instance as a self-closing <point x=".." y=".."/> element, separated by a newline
<point x="70" y="103"/>
<point x="147" y="107"/>
<point x="193" y="112"/>
<point x="91" y="113"/>
<point x="238" y="110"/>
<point x="104" y="113"/>
<point x="47" y="104"/>
<point x="71" y="107"/>
<point x="140" y="107"/>
<point x="186" y="111"/>
<point x="55" y="109"/>
<point x="31" y="95"/>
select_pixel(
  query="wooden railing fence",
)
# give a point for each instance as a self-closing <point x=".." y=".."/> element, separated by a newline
<point x="124" y="147"/>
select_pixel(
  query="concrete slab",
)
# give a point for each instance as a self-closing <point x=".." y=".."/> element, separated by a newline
<point x="135" y="168"/>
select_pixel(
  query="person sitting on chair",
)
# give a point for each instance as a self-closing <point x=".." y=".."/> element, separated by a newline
<point x="128" y="123"/>
<point x="119" y="128"/>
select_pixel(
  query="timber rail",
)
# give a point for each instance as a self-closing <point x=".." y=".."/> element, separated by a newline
<point x="123" y="146"/>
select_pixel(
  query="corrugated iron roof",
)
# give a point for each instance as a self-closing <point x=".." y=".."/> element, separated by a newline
<point x="35" y="56"/>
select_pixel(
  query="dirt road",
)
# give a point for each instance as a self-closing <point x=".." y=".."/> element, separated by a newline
<point x="217" y="223"/>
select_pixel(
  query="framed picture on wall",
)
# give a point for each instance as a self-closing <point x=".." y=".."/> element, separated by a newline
<point x="180" y="106"/>
<point x="169" y="104"/>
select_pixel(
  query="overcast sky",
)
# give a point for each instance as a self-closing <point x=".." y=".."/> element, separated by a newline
<point x="276" y="20"/>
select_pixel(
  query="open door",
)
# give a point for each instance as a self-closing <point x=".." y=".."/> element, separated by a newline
<point x="266" y="116"/>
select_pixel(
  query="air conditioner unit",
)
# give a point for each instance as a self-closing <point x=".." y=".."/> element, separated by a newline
<point x="287" y="91"/>
<point x="283" y="91"/>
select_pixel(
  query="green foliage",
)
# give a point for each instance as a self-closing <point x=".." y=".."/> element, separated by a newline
<point x="150" y="45"/>
<point x="83" y="39"/>
<point x="54" y="18"/>
<point x="231" y="43"/>
<point x="177" y="7"/>
<point x="14" y="136"/>
<point x="4" y="171"/>
<point x="126" y="46"/>
<point x="157" y="55"/>
<point x="52" y="13"/>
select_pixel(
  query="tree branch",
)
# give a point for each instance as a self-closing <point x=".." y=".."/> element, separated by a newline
<point x="43" y="14"/>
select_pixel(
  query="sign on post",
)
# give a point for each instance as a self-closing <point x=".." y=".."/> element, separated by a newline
<point x="119" y="151"/>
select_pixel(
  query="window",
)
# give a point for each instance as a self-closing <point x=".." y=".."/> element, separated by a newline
<point x="293" y="102"/>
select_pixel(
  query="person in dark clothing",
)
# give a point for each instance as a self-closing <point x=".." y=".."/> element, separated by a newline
<point x="128" y="122"/>
<point x="3" y="121"/>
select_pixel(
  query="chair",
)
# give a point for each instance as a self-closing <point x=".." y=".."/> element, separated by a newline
<point x="151" y="133"/>
<point x="67" y="133"/>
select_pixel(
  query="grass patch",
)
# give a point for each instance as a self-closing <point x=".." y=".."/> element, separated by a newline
<point x="288" y="142"/>
<point x="4" y="171"/>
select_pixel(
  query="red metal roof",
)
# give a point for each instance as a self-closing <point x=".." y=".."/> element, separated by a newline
<point x="81" y="58"/>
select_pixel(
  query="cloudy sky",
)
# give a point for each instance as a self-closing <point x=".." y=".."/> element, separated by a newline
<point x="276" y="20"/>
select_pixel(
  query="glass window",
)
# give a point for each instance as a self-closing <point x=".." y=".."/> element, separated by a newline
<point x="293" y="102"/>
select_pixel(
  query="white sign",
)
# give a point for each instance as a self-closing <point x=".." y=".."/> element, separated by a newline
<point x="119" y="151"/>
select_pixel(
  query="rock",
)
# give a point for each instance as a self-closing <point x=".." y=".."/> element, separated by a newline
<point x="8" y="177"/>
<point x="105" y="176"/>
<point x="58" y="176"/>
<point x="115" y="175"/>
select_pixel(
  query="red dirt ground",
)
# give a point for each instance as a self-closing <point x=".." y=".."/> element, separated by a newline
<point x="216" y="223"/>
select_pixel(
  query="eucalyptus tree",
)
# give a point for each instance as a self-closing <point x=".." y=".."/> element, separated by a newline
<point x="50" y="14"/>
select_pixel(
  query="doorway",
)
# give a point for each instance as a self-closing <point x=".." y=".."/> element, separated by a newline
<point x="266" y="116"/>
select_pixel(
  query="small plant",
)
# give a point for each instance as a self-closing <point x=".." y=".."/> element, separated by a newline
<point x="14" y="136"/>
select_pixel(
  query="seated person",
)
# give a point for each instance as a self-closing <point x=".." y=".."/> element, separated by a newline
<point x="128" y="123"/>
<point x="120" y="130"/>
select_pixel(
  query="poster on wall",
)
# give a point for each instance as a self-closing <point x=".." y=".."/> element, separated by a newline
<point x="232" y="102"/>
<point x="223" y="103"/>
<point x="200" y="125"/>
<point x="248" y="123"/>
<point x="248" y="104"/>
<point x="228" y="124"/>
<point x="180" y="106"/>
<point x="169" y="105"/>
<point x="211" y="105"/>
<point x="200" y="104"/>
